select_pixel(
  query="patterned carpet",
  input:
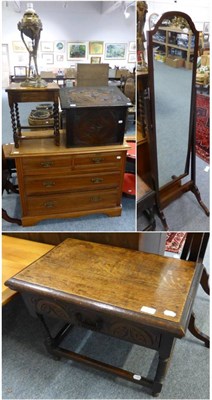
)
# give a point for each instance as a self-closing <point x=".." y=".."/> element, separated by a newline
<point x="175" y="241"/>
<point x="202" y="127"/>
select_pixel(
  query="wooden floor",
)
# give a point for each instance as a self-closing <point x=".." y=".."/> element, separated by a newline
<point x="16" y="255"/>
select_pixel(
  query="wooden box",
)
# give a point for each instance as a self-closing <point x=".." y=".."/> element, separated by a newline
<point x="175" y="62"/>
<point x="94" y="116"/>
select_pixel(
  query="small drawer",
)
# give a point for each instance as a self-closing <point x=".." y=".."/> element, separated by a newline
<point x="46" y="165"/>
<point x="99" y="321"/>
<point x="75" y="202"/>
<point x="99" y="161"/>
<point x="48" y="184"/>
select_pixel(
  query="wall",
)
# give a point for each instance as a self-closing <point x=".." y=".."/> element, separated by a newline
<point x="70" y="21"/>
<point x="199" y="11"/>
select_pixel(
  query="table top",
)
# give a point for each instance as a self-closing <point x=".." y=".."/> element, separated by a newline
<point x="16" y="255"/>
<point x="15" y="86"/>
<point x="47" y="147"/>
<point x="147" y="288"/>
<point x="97" y="96"/>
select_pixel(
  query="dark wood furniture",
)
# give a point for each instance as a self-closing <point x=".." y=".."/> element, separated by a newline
<point x="94" y="116"/>
<point x="18" y="94"/>
<point x="168" y="168"/>
<point x="57" y="182"/>
<point x="9" y="186"/>
<point x="146" y="203"/>
<point x="142" y="298"/>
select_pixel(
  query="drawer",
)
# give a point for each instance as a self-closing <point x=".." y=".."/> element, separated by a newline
<point x="47" y="184"/>
<point x="99" y="321"/>
<point x="47" y="165"/>
<point x="64" y="203"/>
<point x="99" y="161"/>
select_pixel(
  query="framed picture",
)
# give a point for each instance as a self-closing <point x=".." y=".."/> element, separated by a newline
<point x="20" y="71"/>
<point x="48" y="58"/>
<point x="132" y="46"/>
<point x="59" y="46"/>
<point x="47" y="46"/>
<point x="60" y="57"/>
<point x="18" y="47"/>
<point x="115" y="51"/>
<point x="132" y="57"/>
<point x="96" y="47"/>
<point x="206" y="27"/>
<point x="95" y="60"/>
<point x="76" y="51"/>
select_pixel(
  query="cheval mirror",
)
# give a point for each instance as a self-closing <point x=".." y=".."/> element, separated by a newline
<point x="172" y="100"/>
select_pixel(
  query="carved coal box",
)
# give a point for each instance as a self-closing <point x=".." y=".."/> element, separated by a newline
<point x="94" y="116"/>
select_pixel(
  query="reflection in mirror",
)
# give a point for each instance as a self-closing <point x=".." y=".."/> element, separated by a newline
<point x="173" y="48"/>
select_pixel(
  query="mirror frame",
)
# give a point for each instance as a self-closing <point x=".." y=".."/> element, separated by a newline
<point x="175" y="188"/>
<point x="150" y="34"/>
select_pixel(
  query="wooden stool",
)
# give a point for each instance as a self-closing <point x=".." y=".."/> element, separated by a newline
<point x="145" y="202"/>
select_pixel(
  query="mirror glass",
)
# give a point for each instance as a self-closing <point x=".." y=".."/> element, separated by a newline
<point x="173" y="45"/>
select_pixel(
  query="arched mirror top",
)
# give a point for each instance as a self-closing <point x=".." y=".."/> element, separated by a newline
<point x="176" y="20"/>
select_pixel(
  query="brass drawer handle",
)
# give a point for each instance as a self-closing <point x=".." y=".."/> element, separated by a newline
<point x="97" y="160"/>
<point x="97" y="180"/>
<point x="48" y="184"/>
<point x="95" y="199"/>
<point x="46" y="164"/>
<point x="87" y="323"/>
<point x="50" y="204"/>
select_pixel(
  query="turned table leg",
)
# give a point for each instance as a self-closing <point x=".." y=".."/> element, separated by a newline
<point x="56" y="123"/>
<point x="165" y="351"/>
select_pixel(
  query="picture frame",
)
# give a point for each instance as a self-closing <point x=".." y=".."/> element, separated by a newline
<point x="47" y="46"/>
<point x="132" y="47"/>
<point x="96" y="48"/>
<point x="59" y="46"/>
<point x="206" y="27"/>
<point x="20" y="71"/>
<point x="76" y="51"/>
<point x="48" y="58"/>
<point x="131" y="57"/>
<point x="60" y="57"/>
<point x="95" y="60"/>
<point x="18" y="47"/>
<point x="115" y="51"/>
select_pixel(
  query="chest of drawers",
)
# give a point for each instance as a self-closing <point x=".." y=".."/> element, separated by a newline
<point x="57" y="182"/>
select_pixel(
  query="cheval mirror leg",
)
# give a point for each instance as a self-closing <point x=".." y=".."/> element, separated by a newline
<point x="196" y="192"/>
<point x="197" y="333"/>
<point x="194" y="249"/>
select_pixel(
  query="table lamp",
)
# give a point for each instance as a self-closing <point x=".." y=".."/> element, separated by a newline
<point x="31" y="26"/>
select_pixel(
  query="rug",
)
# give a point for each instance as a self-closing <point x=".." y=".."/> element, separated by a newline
<point x="175" y="241"/>
<point x="202" y="126"/>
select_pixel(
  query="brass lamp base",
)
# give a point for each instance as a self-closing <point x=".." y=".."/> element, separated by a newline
<point x="34" y="82"/>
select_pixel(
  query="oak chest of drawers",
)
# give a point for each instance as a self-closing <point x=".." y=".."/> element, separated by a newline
<point x="57" y="182"/>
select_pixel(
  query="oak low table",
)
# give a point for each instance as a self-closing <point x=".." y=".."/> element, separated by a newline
<point x="142" y="298"/>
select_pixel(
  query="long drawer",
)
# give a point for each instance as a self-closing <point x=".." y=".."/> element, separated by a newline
<point x="47" y="184"/>
<point x="62" y="203"/>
